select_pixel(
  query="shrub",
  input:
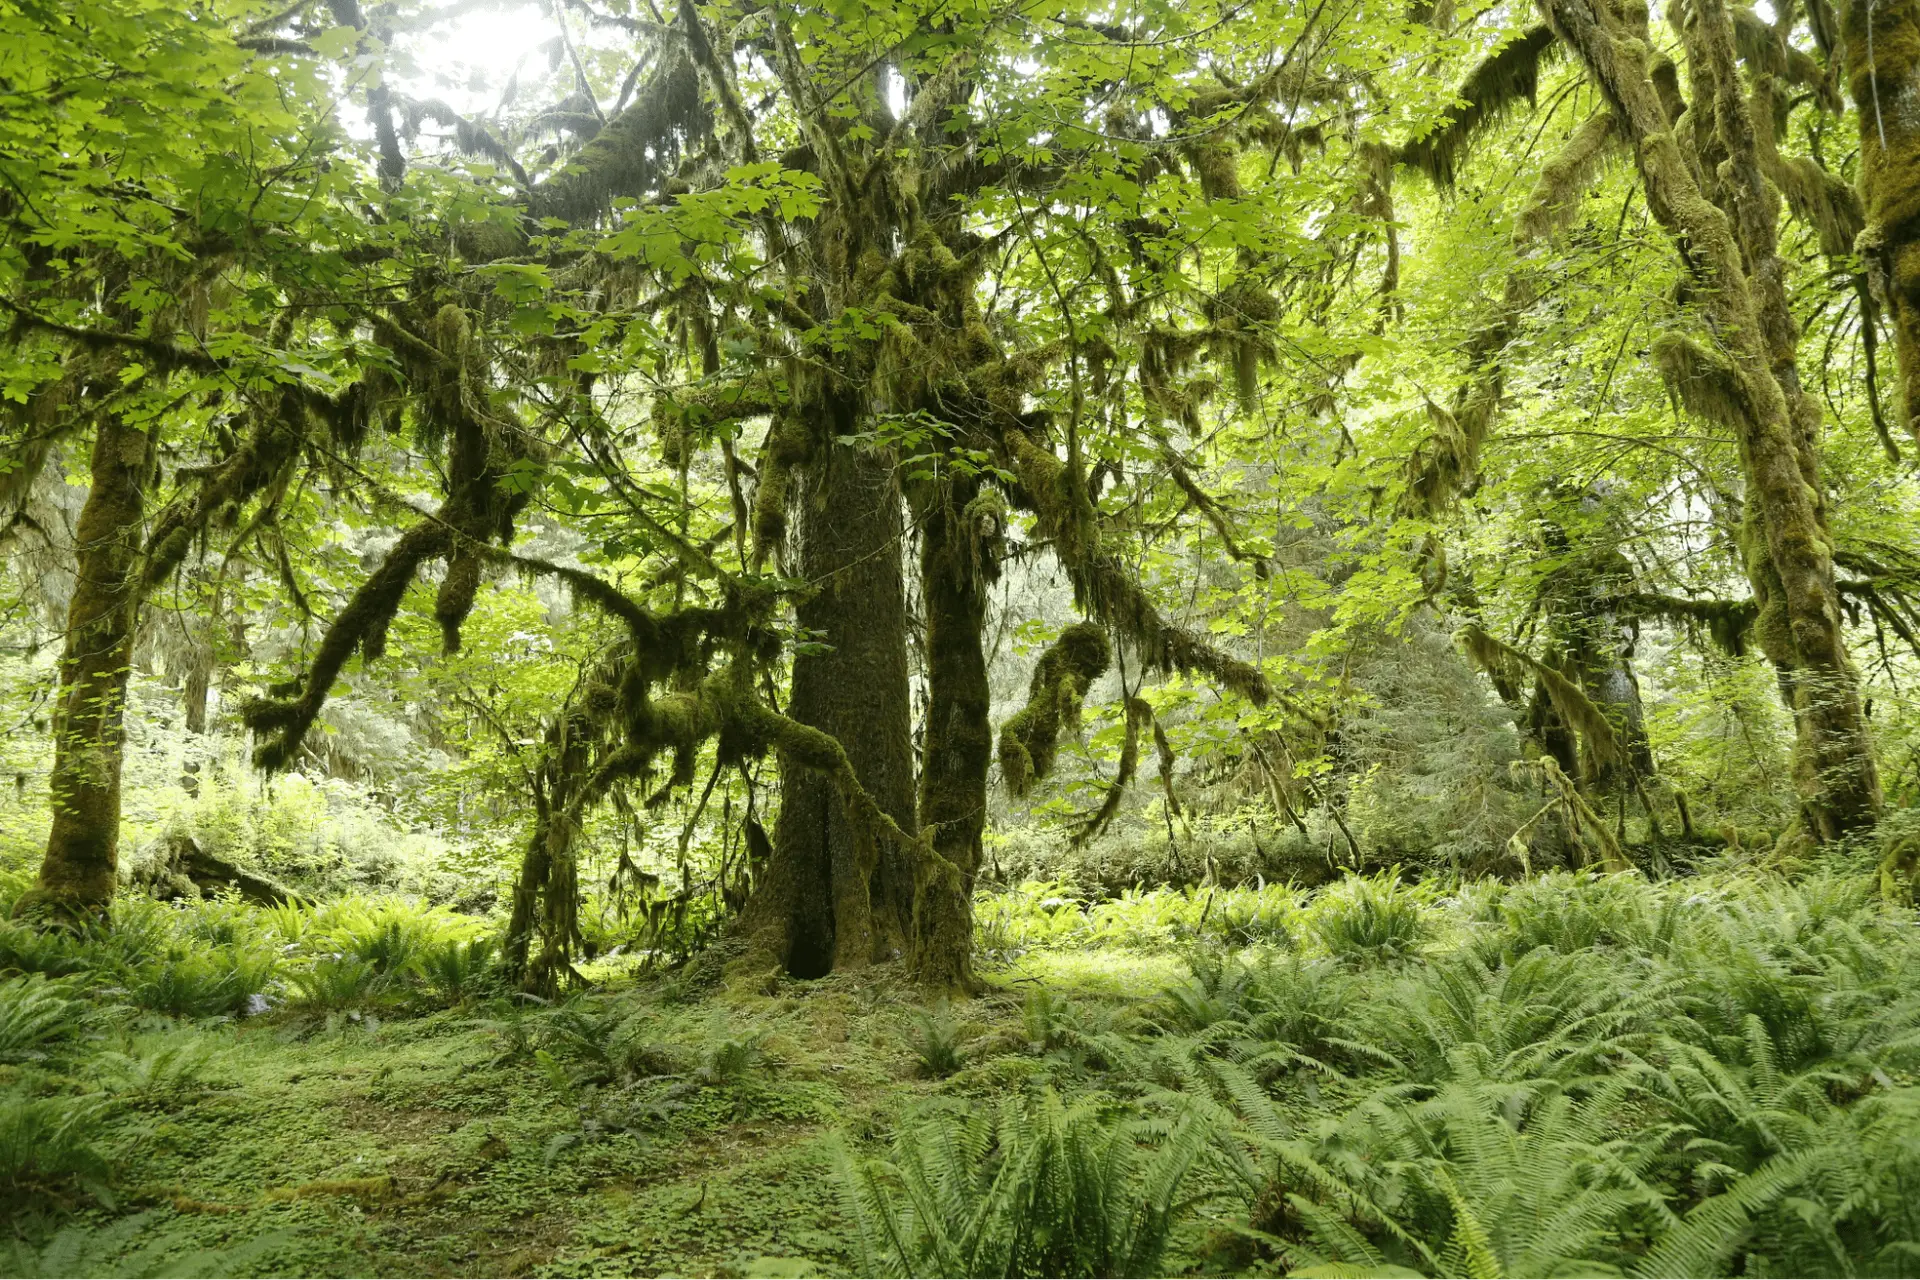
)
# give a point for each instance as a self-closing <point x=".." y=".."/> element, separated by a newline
<point x="1033" y="1188"/>
<point x="458" y="969"/>
<point x="50" y="1144"/>
<point x="338" y="982"/>
<point x="937" y="1042"/>
<point x="1369" y="918"/>
<point x="191" y="982"/>
<point x="25" y="949"/>
<point x="33" y="1014"/>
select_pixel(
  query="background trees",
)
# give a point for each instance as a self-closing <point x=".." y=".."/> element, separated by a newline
<point x="659" y="477"/>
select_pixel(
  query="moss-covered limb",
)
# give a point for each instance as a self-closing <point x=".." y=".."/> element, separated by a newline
<point x="789" y="445"/>
<point x="1588" y="829"/>
<point x="1733" y="256"/>
<point x="271" y="446"/>
<point x="637" y="148"/>
<point x="283" y="721"/>
<point x="82" y="853"/>
<point x="1882" y="61"/>
<point x="1211" y="511"/>
<point x="1726" y="622"/>
<point x="1570" y="702"/>
<point x="1030" y="739"/>
<point x="1102" y="584"/>
<point x="1139" y="713"/>
<point x="1491" y="88"/>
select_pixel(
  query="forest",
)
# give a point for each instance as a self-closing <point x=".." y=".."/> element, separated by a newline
<point x="959" y="637"/>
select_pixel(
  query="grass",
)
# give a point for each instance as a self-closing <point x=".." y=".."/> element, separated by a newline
<point x="1724" y="1068"/>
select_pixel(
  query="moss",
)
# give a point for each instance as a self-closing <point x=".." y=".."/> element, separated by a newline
<point x="1030" y="739"/>
<point x="1494" y="85"/>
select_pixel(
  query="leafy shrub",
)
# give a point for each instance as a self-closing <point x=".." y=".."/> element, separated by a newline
<point x="337" y="982"/>
<point x="49" y="1144"/>
<point x="1369" y="918"/>
<point x="392" y="934"/>
<point x="84" y="1249"/>
<point x="33" y="1014"/>
<point x="1034" y="1188"/>
<point x="191" y="982"/>
<point x="25" y="949"/>
<point x="938" y="1042"/>
<point x="171" y="1069"/>
<point x="457" y="969"/>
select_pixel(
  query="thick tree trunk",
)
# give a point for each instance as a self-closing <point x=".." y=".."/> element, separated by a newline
<point x="832" y="897"/>
<point x="1881" y="40"/>
<point x="1745" y="377"/>
<point x="77" y="875"/>
<point x="959" y="537"/>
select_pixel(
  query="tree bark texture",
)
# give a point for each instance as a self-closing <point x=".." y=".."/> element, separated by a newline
<point x="82" y="857"/>
<point x="1713" y="201"/>
<point x="959" y="540"/>
<point x="832" y="897"/>
<point x="1881" y="40"/>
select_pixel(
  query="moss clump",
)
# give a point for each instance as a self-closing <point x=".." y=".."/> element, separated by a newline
<point x="1030" y="739"/>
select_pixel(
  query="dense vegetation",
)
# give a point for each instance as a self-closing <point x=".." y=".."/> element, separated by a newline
<point x="959" y="639"/>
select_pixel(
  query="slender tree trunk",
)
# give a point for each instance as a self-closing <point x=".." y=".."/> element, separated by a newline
<point x="77" y="875"/>
<point x="1881" y="43"/>
<point x="830" y="898"/>
<point x="1714" y="203"/>
<point x="957" y="564"/>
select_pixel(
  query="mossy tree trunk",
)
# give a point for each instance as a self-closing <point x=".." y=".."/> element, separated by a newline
<point x="959" y="543"/>
<point x="1715" y="204"/>
<point x="1881" y="40"/>
<point x="77" y="874"/>
<point x="831" y="897"/>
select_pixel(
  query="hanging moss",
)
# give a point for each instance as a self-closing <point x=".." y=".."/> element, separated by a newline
<point x="1570" y="702"/>
<point x="1494" y="85"/>
<point x="1068" y="668"/>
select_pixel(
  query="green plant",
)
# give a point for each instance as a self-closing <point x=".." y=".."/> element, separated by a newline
<point x="27" y="949"/>
<point x="173" y="1068"/>
<point x="192" y="982"/>
<point x="338" y="982"/>
<point x="457" y="969"/>
<point x="1033" y="1188"/>
<point x="1366" y="918"/>
<point x="49" y="1144"/>
<point x="86" y="1249"/>
<point x="730" y="1057"/>
<point x="938" y="1041"/>
<point x="34" y="1013"/>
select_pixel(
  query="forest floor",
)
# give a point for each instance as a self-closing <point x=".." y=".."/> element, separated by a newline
<point x="447" y="1145"/>
<point x="1589" y="1074"/>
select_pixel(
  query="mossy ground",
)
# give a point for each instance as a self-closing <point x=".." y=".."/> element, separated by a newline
<point x="426" y="1145"/>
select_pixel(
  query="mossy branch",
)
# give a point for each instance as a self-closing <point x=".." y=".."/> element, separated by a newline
<point x="1504" y="662"/>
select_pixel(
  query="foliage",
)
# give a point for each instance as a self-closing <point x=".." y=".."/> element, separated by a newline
<point x="1034" y="1188"/>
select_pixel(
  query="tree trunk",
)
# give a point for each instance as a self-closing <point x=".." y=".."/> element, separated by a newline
<point x="1881" y="39"/>
<point x="1745" y="377"/>
<point x="831" y="899"/>
<point x="959" y="539"/>
<point x="77" y="875"/>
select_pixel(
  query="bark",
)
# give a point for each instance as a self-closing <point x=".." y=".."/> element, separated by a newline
<point x="832" y="897"/>
<point x="1882" y="60"/>
<point x="1716" y="206"/>
<point x="959" y="538"/>
<point x="77" y="874"/>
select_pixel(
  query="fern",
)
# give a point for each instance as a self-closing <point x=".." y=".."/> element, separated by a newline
<point x="80" y="1249"/>
<point x="1027" y="1188"/>
<point x="33" y="1014"/>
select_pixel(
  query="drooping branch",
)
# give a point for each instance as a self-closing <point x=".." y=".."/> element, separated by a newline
<point x="1103" y="586"/>
<point x="1068" y="668"/>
